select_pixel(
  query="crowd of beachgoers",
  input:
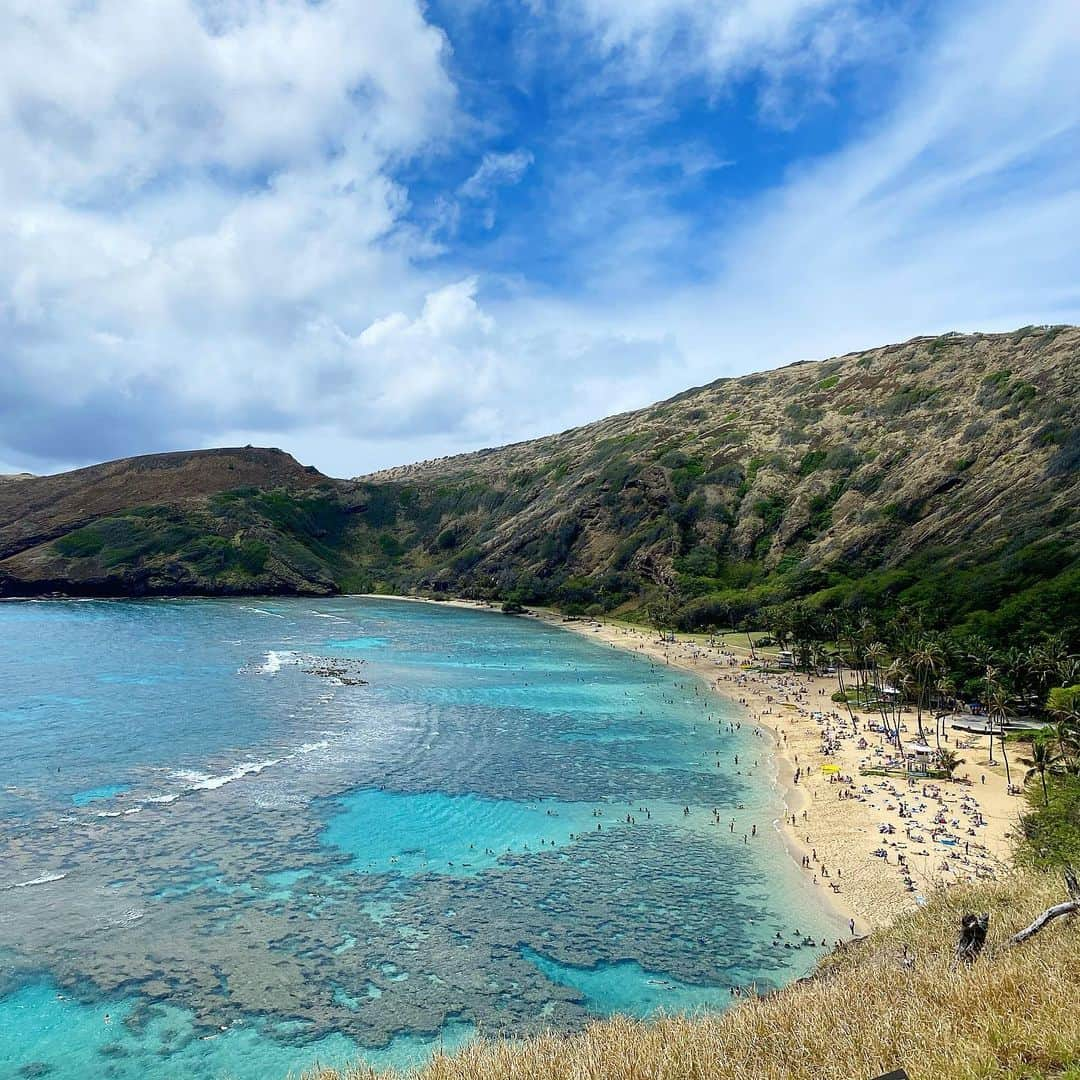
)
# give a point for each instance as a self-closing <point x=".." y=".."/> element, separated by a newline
<point x="874" y="835"/>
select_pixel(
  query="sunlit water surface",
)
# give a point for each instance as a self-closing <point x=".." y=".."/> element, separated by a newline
<point x="240" y="836"/>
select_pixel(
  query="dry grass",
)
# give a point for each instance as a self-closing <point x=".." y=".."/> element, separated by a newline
<point x="1015" y="1014"/>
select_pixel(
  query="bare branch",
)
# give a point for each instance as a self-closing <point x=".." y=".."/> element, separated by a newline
<point x="1070" y="907"/>
<point x="1072" y="883"/>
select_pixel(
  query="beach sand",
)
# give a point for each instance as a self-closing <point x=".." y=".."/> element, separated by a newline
<point x="841" y="834"/>
<point x="837" y="823"/>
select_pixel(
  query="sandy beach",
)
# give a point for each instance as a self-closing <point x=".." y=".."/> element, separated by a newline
<point x="876" y="846"/>
<point x="834" y="823"/>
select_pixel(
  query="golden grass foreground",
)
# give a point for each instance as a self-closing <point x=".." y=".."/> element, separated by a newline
<point x="896" y="999"/>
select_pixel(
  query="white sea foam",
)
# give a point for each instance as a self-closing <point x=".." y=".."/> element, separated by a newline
<point x="191" y="776"/>
<point x="246" y="768"/>
<point x="276" y="660"/>
<point x="43" y="880"/>
<point x="261" y="611"/>
<point x="194" y="781"/>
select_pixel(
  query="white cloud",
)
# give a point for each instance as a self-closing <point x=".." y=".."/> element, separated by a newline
<point x="180" y="193"/>
<point x="101" y="99"/>
<point x="733" y="32"/>
<point x="495" y="171"/>
<point x="202" y="240"/>
<point x="659" y="43"/>
<point x="456" y="370"/>
<point x="960" y="208"/>
<point x="957" y="208"/>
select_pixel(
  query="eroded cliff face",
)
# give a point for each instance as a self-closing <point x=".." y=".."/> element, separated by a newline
<point x="934" y="455"/>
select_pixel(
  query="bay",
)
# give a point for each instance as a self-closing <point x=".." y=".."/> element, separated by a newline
<point x="239" y="836"/>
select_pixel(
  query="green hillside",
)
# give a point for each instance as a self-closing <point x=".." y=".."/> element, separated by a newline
<point x="940" y="474"/>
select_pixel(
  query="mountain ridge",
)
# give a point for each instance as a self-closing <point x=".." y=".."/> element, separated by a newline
<point x="834" y="481"/>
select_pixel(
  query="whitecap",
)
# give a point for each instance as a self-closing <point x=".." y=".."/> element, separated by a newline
<point x="247" y="768"/>
<point x="43" y="880"/>
<point x="191" y="776"/>
<point x="275" y="660"/>
<point x="261" y="611"/>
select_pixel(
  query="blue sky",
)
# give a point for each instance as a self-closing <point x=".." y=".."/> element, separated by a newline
<point x="375" y="231"/>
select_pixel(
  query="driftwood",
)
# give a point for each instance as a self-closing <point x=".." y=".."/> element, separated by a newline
<point x="1069" y="907"/>
<point x="973" y="927"/>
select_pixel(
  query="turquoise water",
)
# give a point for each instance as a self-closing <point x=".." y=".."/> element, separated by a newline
<point x="450" y="834"/>
<point x="106" y="791"/>
<point x="628" y="988"/>
<point x="45" y="1033"/>
<point x="257" y="834"/>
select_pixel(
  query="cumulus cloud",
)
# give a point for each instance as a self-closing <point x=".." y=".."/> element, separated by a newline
<point x="205" y="236"/>
<point x="184" y="186"/>
<point x="454" y="367"/>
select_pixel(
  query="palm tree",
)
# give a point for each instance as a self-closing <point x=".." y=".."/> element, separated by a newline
<point x="990" y="683"/>
<point x="1049" y="656"/>
<point x="663" y="612"/>
<point x="949" y="761"/>
<point x="1019" y="668"/>
<point x="998" y="709"/>
<point x="1068" y="671"/>
<point x="1064" y="703"/>
<point x="862" y="636"/>
<point x="1068" y="743"/>
<point x="874" y="656"/>
<point x="946" y="688"/>
<point x="744" y="626"/>
<point x="899" y="678"/>
<point x="1043" y="759"/>
<point x="1005" y="758"/>
<point x="836" y="657"/>
<point x="927" y="660"/>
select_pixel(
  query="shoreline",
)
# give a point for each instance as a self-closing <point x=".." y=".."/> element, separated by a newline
<point x="836" y="829"/>
<point x="841" y="834"/>
<point x="832" y="829"/>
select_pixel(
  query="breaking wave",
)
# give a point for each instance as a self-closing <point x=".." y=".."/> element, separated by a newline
<point x="43" y="880"/>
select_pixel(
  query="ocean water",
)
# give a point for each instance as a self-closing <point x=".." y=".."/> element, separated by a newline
<point x="237" y="838"/>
